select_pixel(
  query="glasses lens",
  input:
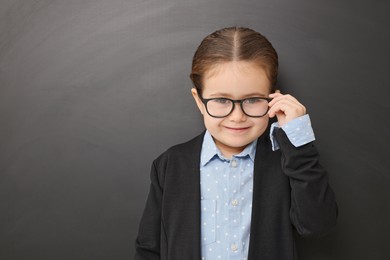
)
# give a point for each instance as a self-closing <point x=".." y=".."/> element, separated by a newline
<point x="219" y="107"/>
<point x="255" y="107"/>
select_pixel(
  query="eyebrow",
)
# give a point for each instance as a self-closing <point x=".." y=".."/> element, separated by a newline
<point x="255" y="94"/>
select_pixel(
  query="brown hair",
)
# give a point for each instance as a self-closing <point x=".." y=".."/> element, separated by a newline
<point x="233" y="44"/>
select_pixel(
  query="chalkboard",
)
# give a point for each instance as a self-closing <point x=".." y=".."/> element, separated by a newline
<point x="92" y="91"/>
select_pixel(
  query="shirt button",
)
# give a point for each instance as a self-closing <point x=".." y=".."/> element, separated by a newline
<point x="234" y="247"/>
<point x="234" y="202"/>
<point x="234" y="163"/>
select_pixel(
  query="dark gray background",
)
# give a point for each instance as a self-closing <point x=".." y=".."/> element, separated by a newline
<point x="92" y="91"/>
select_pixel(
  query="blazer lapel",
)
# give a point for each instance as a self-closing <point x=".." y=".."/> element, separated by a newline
<point x="261" y="170"/>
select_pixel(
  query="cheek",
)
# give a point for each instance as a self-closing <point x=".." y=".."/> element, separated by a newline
<point x="211" y="122"/>
<point x="261" y="122"/>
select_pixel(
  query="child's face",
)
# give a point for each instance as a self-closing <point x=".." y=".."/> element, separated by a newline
<point x="234" y="80"/>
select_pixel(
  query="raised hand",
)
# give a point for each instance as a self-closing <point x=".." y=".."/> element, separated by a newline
<point x="285" y="107"/>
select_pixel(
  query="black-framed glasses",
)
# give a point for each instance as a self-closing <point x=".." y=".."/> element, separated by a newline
<point x="222" y="107"/>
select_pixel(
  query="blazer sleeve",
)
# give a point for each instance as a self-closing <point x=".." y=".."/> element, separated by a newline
<point x="313" y="210"/>
<point x="148" y="240"/>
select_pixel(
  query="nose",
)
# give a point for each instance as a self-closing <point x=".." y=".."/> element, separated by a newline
<point x="237" y="114"/>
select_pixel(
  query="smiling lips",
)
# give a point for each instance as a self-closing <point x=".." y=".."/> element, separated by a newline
<point x="237" y="129"/>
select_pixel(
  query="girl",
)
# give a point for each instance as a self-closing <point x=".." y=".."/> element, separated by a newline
<point x="241" y="188"/>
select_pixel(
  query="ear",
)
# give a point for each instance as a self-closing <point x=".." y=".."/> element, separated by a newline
<point x="198" y="102"/>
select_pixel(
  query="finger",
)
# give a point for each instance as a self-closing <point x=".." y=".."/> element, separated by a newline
<point x="279" y="106"/>
<point x="277" y="110"/>
<point x="291" y="104"/>
<point x="288" y="107"/>
<point x="276" y="94"/>
<point x="284" y="97"/>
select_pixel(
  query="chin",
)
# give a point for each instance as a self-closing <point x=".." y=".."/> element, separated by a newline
<point x="241" y="143"/>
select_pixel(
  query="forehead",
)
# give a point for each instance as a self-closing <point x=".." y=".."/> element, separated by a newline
<point x="236" y="78"/>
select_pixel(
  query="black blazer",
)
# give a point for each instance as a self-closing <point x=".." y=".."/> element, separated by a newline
<point x="291" y="192"/>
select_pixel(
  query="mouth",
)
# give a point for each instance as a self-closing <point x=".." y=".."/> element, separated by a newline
<point x="237" y="129"/>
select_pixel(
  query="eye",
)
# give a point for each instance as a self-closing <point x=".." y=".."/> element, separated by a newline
<point x="254" y="100"/>
<point x="222" y="101"/>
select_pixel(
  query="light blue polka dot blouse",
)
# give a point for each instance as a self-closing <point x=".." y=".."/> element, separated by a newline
<point x="226" y="193"/>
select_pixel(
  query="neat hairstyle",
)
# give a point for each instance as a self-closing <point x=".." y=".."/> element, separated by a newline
<point x="233" y="44"/>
